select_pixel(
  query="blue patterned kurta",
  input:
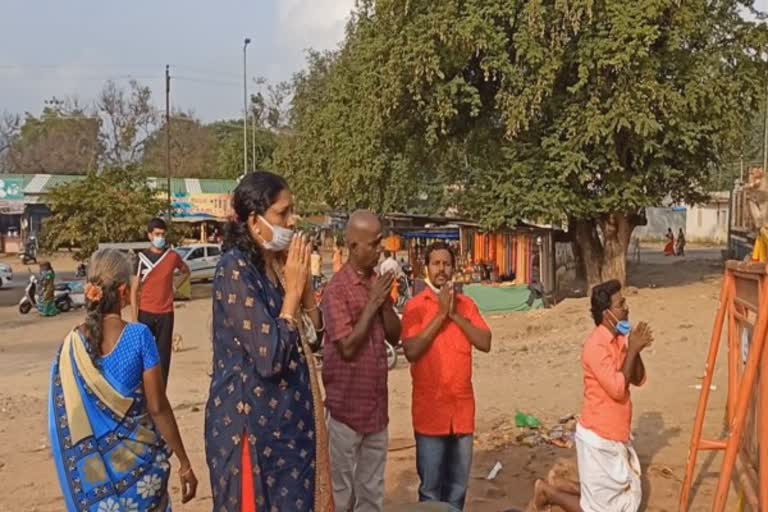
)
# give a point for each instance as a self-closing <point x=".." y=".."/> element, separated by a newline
<point x="260" y="394"/>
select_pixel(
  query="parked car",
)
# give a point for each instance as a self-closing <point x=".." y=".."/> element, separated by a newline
<point x="6" y="275"/>
<point x="201" y="260"/>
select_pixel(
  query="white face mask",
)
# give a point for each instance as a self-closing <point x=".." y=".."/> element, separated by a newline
<point x="281" y="237"/>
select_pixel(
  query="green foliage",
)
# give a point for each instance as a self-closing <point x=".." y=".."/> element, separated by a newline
<point x="229" y="148"/>
<point x="114" y="206"/>
<point x="534" y="109"/>
<point x="57" y="142"/>
<point x="193" y="149"/>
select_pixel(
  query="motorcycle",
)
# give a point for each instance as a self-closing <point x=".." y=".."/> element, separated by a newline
<point x="82" y="271"/>
<point x="30" y="252"/>
<point x="62" y="298"/>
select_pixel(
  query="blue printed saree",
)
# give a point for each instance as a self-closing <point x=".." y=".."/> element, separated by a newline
<point x="109" y="456"/>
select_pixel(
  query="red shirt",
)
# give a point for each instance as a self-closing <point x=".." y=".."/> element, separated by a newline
<point x="443" y="399"/>
<point x="607" y="409"/>
<point x="356" y="391"/>
<point x="157" y="283"/>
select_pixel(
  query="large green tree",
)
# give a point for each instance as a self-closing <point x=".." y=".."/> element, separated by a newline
<point x="193" y="149"/>
<point x="545" y="110"/>
<point x="64" y="139"/>
<point x="114" y="206"/>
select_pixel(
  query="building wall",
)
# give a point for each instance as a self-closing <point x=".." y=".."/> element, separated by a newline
<point x="700" y="223"/>
<point x="659" y="220"/>
<point x="708" y="223"/>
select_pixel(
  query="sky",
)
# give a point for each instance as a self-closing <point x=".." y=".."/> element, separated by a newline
<point x="70" y="48"/>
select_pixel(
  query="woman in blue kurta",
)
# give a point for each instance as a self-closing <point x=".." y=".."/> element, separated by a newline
<point x="264" y="424"/>
<point x="112" y="429"/>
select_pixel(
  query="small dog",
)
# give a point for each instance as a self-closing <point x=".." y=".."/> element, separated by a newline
<point x="178" y="343"/>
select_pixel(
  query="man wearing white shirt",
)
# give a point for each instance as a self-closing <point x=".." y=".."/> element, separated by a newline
<point x="390" y="264"/>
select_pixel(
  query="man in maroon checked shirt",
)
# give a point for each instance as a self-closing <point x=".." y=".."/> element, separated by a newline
<point x="359" y="317"/>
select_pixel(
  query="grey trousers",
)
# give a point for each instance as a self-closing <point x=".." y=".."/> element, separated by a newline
<point x="358" y="462"/>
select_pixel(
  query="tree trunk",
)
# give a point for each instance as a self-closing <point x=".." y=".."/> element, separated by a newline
<point x="580" y="269"/>
<point x="607" y="258"/>
<point x="585" y="234"/>
<point x="617" y="231"/>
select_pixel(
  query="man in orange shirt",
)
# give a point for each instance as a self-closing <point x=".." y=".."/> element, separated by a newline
<point x="609" y="470"/>
<point x="440" y="329"/>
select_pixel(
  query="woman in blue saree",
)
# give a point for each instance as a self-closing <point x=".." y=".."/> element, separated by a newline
<point x="111" y="426"/>
<point x="265" y="437"/>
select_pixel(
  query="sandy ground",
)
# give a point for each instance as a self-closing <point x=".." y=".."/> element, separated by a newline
<point x="534" y="367"/>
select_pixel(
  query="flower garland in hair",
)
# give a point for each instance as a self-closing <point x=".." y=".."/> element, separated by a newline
<point x="94" y="292"/>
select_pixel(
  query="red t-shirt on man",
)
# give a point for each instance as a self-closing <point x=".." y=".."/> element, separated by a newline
<point x="443" y="398"/>
<point x="156" y="274"/>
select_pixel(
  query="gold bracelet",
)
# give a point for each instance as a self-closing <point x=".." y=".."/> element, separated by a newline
<point x="310" y="309"/>
<point x="289" y="318"/>
<point x="185" y="473"/>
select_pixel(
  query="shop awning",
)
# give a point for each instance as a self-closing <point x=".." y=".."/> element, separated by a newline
<point x="452" y="234"/>
<point x="11" y="207"/>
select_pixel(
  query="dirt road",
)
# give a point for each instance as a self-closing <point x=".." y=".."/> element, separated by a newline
<point x="534" y="367"/>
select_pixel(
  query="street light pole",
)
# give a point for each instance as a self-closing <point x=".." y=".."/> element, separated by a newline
<point x="168" y="138"/>
<point x="246" y="42"/>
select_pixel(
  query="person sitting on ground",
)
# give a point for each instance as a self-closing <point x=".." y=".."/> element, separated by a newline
<point x="609" y="470"/>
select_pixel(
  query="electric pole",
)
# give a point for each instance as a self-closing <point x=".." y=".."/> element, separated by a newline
<point x="168" y="137"/>
<point x="246" y="42"/>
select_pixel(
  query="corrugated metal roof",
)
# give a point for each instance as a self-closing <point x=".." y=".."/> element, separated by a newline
<point x="211" y="186"/>
<point x="43" y="183"/>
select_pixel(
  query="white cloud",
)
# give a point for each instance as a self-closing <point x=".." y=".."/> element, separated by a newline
<point x="312" y="23"/>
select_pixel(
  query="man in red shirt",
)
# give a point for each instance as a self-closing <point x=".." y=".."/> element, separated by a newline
<point x="359" y="319"/>
<point x="440" y="330"/>
<point x="152" y="293"/>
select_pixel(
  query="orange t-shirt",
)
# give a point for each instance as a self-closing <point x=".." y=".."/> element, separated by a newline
<point x="157" y="286"/>
<point x="443" y="399"/>
<point x="607" y="409"/>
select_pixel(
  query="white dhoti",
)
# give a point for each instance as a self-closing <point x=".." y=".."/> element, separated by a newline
<point x="609" y="473"/>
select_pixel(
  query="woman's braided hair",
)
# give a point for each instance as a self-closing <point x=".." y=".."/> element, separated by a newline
<point x="107" y="271"/>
